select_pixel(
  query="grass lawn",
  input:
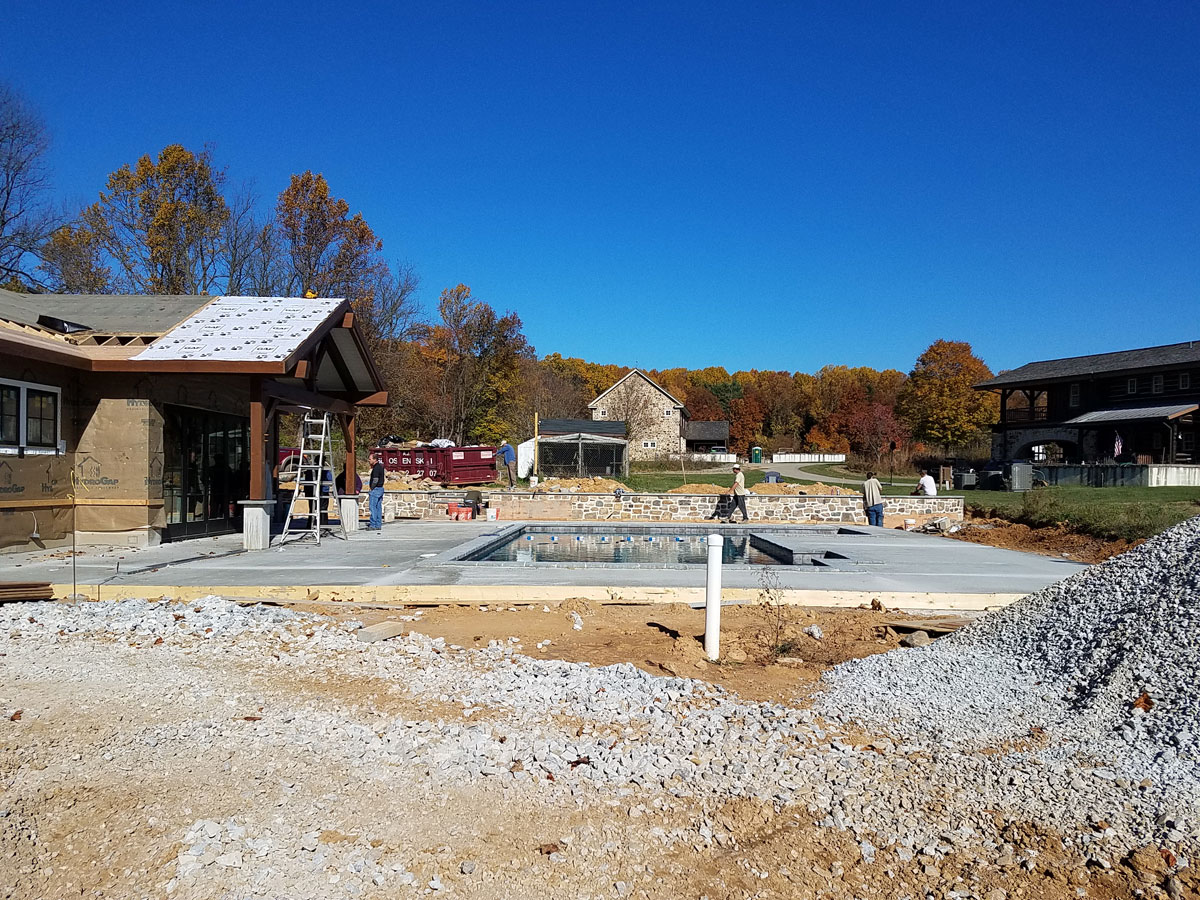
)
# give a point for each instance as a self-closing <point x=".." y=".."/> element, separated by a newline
<point x="1131" y="513"/>
<point x="839" y="470"/>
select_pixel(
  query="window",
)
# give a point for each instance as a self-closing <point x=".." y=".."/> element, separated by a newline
<point x="1185" y="381"/>
<point x="1074" y="395"/>
<point x="1131" y="386"/>
<point x="29" y="416"/>
<point x="1156" y="384"/>
<point x="604" y="413"/>
<point x="10" y="414"/>
<point x="1188" y="440"/>
<point x="667" y="413"/>
<point x="649" y="445"/>
<point x="41" y="418"/>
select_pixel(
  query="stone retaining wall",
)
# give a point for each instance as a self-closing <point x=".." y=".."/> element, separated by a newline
<point x="522" y="505"/>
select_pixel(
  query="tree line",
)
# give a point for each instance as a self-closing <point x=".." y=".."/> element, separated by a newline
<point x="173" y="223"/>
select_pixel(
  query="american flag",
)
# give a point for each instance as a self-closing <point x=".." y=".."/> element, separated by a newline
<point x="1117" y="445"/>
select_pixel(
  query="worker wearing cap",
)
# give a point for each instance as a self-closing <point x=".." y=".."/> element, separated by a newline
<point x="508" y="456"/>
<point x="738" y="492"/>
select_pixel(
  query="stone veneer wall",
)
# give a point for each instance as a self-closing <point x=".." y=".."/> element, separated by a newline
<point x="522" y="505"/>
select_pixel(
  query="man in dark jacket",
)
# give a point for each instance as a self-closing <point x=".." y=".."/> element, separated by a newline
<point x="375" y="495"/>
<point x="507" y="455"/>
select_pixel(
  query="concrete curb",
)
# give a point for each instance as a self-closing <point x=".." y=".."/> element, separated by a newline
<point x="417" y="595"/>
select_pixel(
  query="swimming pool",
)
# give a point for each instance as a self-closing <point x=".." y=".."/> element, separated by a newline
<point x="620" y="547"/>
<point x="669" y="546"/>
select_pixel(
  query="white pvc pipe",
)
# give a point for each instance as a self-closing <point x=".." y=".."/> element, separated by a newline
<point x="712" y="599"/>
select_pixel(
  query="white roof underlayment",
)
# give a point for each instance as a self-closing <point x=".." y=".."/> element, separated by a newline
<point x="250" y="329"/>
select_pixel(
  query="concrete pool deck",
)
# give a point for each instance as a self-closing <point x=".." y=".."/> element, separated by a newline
<point x="412" y="562"/>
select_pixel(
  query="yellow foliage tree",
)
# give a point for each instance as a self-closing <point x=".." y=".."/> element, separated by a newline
<point x="939" y="403"/>
<point x="326" y="250"/>
<point x="161" y="222"/>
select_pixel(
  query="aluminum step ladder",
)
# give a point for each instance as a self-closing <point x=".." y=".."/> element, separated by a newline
<point x="315" y="450"/>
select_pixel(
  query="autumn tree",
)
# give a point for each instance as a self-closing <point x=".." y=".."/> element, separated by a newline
<point x="389" y="320"/>
<point x="745" y="421"/>
<point x="703" y="404"/>
<point x="161" y="223"/>
<point x="73" y="262"/>
<point x="476" y="356"/>
<point x="25" y="216"/>
<point x="324" y="249"/>
<point x="870" y="428"/>
<point x="939" y="403"/>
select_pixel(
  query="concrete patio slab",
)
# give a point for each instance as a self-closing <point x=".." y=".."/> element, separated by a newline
<point x="411" y="562"/>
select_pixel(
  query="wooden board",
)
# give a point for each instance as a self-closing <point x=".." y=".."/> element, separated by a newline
<point x="15" y="591"/>
<point x="940" y="625"/>
<point x="381" y="631"/>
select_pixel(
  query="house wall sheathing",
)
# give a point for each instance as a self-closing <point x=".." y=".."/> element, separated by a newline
<point x="108" y="485"/>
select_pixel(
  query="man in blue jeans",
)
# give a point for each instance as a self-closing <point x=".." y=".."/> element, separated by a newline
<point x="873" y="500"/>
<point x="375" y="495"/>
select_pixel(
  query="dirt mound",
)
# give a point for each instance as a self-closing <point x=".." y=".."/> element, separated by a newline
<point x="1056" y="540"/>
<point x="763" y="489"/>
<point x="577" y="605"/>
<point x="813" y="490"/>
<point x="579" y="486"/>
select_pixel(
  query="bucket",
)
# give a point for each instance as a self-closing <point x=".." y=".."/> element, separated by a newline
<point x="910" y="524"/>
<point x="533" y="481"/>
<point x="452" y="510"/>
<point x="492" y="514"/>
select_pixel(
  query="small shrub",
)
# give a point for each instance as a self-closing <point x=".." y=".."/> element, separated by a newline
<point x="775" y="617"/>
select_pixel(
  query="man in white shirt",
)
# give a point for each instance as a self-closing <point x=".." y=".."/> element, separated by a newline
<point x="873" y="500"/>
<point x="738" y="492"/>
<point x="926" y="485"/>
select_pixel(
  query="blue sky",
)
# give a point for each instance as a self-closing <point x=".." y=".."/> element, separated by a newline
<point x="753" y="185"/>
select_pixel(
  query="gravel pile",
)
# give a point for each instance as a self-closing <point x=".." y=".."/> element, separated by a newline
<point x="1105" y="664"/>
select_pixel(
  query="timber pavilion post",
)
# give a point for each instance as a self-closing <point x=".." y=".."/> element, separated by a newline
<point x="256" y="512"/>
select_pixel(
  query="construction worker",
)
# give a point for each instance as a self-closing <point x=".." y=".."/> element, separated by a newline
<point x="507" y="455"/>
<point x="738" y="492"/>
<point x="375" y="492"/>
<point x="873" y="500"/>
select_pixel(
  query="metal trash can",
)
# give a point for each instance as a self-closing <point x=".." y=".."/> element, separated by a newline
<point x="756" y="454"/>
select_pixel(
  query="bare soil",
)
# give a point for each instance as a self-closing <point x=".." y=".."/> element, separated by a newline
<point x="81" y="827"/>
<point x="667" y="639"/>
<point x="1058" y="540"/>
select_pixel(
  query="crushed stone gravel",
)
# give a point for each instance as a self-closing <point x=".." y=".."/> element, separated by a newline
<point x="575" y="736"/>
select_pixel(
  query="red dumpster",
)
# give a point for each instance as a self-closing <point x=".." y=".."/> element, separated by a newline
<point x="419" y="462"/>
<point x="467" y="465"/>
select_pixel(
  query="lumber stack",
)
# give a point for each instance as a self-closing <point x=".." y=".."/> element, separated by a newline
<point x="14" y="591"/>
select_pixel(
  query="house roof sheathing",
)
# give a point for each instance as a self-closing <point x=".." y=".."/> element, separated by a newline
<point x="243" y="329"/>
<point x="297" y="340"/>
<point x="104" y="313"/>
<point x="1097" y="364"/>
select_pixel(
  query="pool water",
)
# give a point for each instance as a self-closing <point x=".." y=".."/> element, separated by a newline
<point x="616" y="546"/>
